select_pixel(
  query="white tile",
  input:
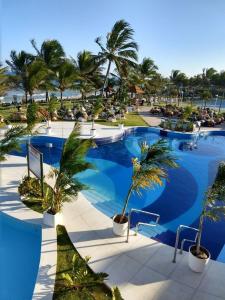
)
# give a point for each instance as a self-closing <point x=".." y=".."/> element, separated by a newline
<point x="214" y="280"/>
<point x="205" y="296"/>
<point x="150" y="285"/>
<point x="122" y="270"/>
<point x="184" y="274"/>
<point x="161" y="261"/>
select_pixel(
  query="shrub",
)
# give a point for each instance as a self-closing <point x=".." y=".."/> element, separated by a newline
<point x="30" y="187"/>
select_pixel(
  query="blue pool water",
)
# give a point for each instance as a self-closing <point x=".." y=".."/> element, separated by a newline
<point x="20" y="245"/>
<point x="178" y="201"/>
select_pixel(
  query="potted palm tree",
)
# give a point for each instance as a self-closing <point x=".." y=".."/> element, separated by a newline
<point x="66" y="186"/>
<point x="213" y="209"/>
<point x="148" y="171"/>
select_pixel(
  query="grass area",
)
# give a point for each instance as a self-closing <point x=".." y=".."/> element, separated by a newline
<point x="6" y="111"/>
<point x="65" y="252"/>
<point x="132" y="119"/>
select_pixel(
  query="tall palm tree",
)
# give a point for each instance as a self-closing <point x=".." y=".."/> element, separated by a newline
<point x="36" y="76"/>
<point x="51" y="53"/>
<point x="19" y="63"/>
<point x="146" y="71"/>
<point x="179" y="79"/>
<point x="88" y="72"/>
<point x="71" y="163"/>
<point x="65" y="77"/>
<point x="150" y="169"/>
<point x="4" y="83"/>
<point x="120" y="48"/>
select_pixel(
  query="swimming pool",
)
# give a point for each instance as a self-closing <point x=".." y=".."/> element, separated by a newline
<point x="178" y="201"/>
<point x="20" y="246"/>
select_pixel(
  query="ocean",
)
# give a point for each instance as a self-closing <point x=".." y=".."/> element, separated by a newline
<point x="40" y="95"/>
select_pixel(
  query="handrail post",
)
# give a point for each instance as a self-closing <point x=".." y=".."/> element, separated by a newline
<point x="128" y="228"/>
<point x="176" y="244"/>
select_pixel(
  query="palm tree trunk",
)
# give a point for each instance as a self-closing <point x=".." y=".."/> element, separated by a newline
<point x="31" y="99"/>
<point x="221" y="101"/>
<point x="126" y="202"/>
<point x="106" y="77"/>
<point x="26" y="97"/>
<point x="46" y="96"/>
<point x="61" y="99"/>
<point x="198" y="242"/>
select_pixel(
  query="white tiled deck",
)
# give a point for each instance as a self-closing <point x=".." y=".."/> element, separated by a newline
<point x="11" y="172"/>
<point x="143" y="268"/>
<point x="63" y="130"/>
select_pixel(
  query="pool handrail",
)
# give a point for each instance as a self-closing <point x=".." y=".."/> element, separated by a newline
<point x="141" y="223"/>
<point x="179" y="229"/>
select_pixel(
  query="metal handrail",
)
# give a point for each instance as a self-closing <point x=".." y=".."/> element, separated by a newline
<point x="141" y="223"/>
<point x="179" y="229"/>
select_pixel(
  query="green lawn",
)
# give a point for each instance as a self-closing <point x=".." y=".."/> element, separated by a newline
<point x="132" y="119"/>
<point x="65" y="252"/>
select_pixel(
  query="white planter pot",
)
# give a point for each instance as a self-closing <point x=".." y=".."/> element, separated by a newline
<point x="120" y="229"/>
<point x="93" y="132"/>
<point x="48" y="130"/>
<point x="197" y="264"/>
<point x="52" y="220"/>
<point x="121" y="126"/>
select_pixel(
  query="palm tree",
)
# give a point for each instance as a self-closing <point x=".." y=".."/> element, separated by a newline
<point x="51" y="53"/>
<point x="65" y="77"/>
<point x="72" y="162"/>
<point x="10" y="141"/>
<point x="179" y="79"/>
<point x="146" y="72"/>
<point x="3" y="80"/>
<point x="88" y="72"/>
<point x="214" y="204"/>
<point x="19" y="64"/>
<point x="120" y="48"/>
<point x="36" y="76"/>
<point x="206" y="95"/>
<point x="149" y="170"/>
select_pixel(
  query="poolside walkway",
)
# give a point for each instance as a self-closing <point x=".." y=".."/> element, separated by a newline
<point x="143" y="268"/>
<point x="11" y="172"/>
<point x="63" y="130"/>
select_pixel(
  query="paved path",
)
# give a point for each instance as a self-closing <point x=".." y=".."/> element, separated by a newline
<point x="156" y="120"/>
<point x="150" y="120"/>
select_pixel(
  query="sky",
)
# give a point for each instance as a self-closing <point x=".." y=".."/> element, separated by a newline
<point x="187" y="35"/>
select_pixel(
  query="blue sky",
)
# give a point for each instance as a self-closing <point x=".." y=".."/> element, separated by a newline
<point x="178" y="34"/>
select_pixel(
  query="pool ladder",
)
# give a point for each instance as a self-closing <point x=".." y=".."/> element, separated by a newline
<point x="157" y="216"/>
<point x="179" y="229"/>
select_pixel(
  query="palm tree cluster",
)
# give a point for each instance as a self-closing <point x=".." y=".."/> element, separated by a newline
<point x="49" y="68"/>
<point x="114" y="68"/>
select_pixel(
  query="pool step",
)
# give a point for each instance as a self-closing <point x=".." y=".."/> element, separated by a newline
<point x="152" y="232"/>
<point x="221" y="256"/>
